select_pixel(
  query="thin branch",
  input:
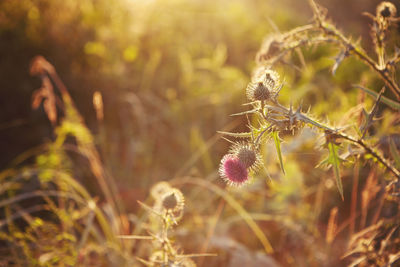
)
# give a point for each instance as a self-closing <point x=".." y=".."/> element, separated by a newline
<point x="369" y="150"/>
<point x="330" y="29"/>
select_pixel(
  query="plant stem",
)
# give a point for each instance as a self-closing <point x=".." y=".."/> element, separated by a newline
<point x="360" y="142"/>
<point x="381" y="69"/>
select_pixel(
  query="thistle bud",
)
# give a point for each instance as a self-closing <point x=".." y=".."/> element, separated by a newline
<point x="173" y="200"/>
<point x="386" y="10"/>
<point x="233" y="171"/>
<point x="258" y="92"/>
<point x="264" y="86"/>
<point x="247" y="155"/>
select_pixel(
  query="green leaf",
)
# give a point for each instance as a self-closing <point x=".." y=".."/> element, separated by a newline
<point x="278" y="149"/>
<point x="239" y="135"/>
<point x="323" y="162"/>
<point x="391" y="103"/>
<point x="334" y="160"/>
<point x="394" y="152"/>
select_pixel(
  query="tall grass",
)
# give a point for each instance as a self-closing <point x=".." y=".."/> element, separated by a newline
<point x="149" y="86"/>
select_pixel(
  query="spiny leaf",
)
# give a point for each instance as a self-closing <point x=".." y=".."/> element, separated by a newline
<point x="394" y="152"/>
<point x="325" y="161"/>
<point x="239" y="135"/>
<point x="251" y="103"/>
<point x="371" y="115"/>
<point x="278" y="149"/>
<point x="391" y="103"/>
<point x="334" y="160"/>
<point x="311" y="121"/>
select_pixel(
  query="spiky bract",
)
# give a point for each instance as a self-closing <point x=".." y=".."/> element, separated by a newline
<point x="247" y="154"/>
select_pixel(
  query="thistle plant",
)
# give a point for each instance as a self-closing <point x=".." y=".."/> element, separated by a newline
<point x="164" y="215"/>
<point x="263" y="90"/>
<point x="271" y="119"/>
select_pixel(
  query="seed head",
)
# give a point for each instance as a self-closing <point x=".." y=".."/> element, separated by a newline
<point x="247" y="156"/>
<point x="233" y="171"/>
<point x="257" y="92"/>
<point x="386" y="10"/>
<point x="173" y="200"/>
<point x="264" y="85"/>
<point x="170" y="202"/>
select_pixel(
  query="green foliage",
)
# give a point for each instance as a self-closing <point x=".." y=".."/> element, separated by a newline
<point x="170" y="73"/>
<point x="334" y="160"/>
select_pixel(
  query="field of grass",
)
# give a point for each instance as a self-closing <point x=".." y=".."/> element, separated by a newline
<point x="199" y="133"/>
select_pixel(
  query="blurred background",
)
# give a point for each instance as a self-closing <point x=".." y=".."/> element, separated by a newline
<point x="170" y="73"/>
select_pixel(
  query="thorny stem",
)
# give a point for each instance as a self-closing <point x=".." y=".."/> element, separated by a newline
<point x="304" y="118"/>
<point x="380" y="68"/>
<point x="300" y="43"/>
<point x="330" y="29"/>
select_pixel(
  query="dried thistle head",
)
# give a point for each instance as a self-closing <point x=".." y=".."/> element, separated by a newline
<point x="173" y="200"/>
<point x="168" y="201"/>
<point x="247" y="154"/>
<point x="386" y="10"/>
<point x="233" y="171"/>
<point x="264" y="86"/>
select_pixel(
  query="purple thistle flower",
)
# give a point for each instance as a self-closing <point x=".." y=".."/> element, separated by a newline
<point x="233" y="171"/>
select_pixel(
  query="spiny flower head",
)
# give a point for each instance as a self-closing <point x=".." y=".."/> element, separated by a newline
<point x="173" y="200"/>
<point x="247" y="154"/>
<point x="386" y="10"/>
<point x="257" y="92"/>
<point x="233" y="171"/>
<point x="264" y="86"/>
<point x="168" y="200"/>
